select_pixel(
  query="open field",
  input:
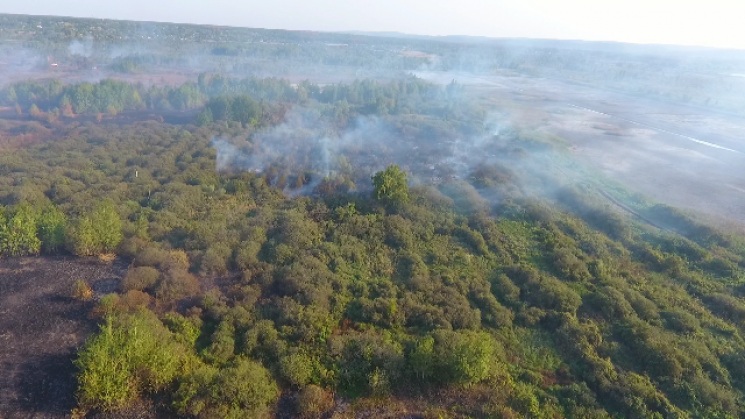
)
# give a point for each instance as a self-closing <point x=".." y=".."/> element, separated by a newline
<point x="684" y="156"/>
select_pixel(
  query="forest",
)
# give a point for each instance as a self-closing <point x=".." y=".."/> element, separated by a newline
<point x="313" y="249"/>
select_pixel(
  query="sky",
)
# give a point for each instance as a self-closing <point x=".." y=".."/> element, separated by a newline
<point x="714" y="23"/>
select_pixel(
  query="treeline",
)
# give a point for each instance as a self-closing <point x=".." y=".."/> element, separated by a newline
<point x="27" y="230"/>
<point x="111" y="96"/>
<point x="107" y="96"/>
<point x="141" y="46"/>
<point x="242" y="109"/>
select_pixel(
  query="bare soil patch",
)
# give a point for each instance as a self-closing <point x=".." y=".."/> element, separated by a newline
<point x="41" y="328"/>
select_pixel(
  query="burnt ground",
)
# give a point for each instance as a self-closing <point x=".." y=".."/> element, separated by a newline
<point x="41" y="327"/>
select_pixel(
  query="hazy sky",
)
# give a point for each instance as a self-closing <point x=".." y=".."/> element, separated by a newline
<point x="688" y="22"/>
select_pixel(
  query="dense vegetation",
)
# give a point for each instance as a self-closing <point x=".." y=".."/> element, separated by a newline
<point x="691" y="75"/>
<point x="236" y="291"/>
<point x="470" y="296"/>
<point x="221" y="98"/>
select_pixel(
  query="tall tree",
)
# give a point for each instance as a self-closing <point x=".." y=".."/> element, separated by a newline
<point x="107" y="226"/>
<point x="51" y="229"/>
<point x="18" y="235"/>
<point x="81" y="237"/>
<point x="390" y="185"/>
<point x="97" y="233"/>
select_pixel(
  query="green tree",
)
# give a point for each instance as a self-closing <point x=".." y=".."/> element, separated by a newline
<point x="241" y="390"/>
<point x="107" y="226"/>
<point x="246" y="110"/>
<point x="297" y="368"/>
<point x="97" y="233"/>
<point x="131" y="354"/>
<point x="464" y="357"/>
<point x="81" y="237"/>
<point x="421" y="360"/>
<point x="205" y="117"/>
<point x="222" y="344"/>
<point x="18" y="232"/>
<point x="390" y="185"/>
<point x="51" y="229"/>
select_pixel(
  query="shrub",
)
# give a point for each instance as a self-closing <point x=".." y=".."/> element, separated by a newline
<point x="133" y="300"/>
<point x="51" y="229"/>
<point x="140" y="278"/>
<point x="108" y="305"/>
<point x="506" y="290"/>
<point x="18" y="233"/>
<point x="262" y="341"/>
<point x="130" y="355"/>
<point x="313" y="401"/>
<point x="96" y="233"/>
<point x="175" y="260"/>
<point x="569" y="265"/>
<point x="151" y="256"/>
<point x="186" y="330"/>
<point x="81" y="290"/>
<point x="368" y="364"/>
<point x="551" y="294"/>
<point x="609" y="302"/>
<point x="297" y="368"/>
<point x="421" y="360"/>
<point x="524" y="400"/>
<point x="247" y="255"/>
<point x="215" y="260"/>
<point x="726" y="306"/>
<point x="131" y="246"/>
<point x="222" y="344"/>
<point x="464" y="357"/>
<point x="681" y="321"/>
<point x="244" y="389"/>
<point x="176" y="285"/>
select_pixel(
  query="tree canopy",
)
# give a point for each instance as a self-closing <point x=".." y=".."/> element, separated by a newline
<point x="390" y="185"/>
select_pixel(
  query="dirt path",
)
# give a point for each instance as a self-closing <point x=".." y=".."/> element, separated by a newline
<point x="41" y="327"/>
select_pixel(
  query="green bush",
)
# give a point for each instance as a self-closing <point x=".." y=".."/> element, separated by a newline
<point x="140" y="278"/>
<point x="243" y="389"/>
<point x="464" y="357"/>
<point x="18" y="232"/>
<point x="81" y="290"/>
<point x="176" y="285"/>
<point x="215" y="260"/>
<point x="297" y="368"/>
<point x="369" y="363"/>
<point x="506" y="290"/>
<point x="131" y="355"/>
<point x="150" y="255"/>
<point x="681" y="321"/>
<point x="51" y="229"/>
<point x="420" y="360"/>
<point x="221" y="348"/>
<point x="313" y="401"/>
<point x="97" y="233"/>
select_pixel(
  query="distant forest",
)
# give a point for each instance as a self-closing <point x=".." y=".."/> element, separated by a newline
<point x="697" y="76"/>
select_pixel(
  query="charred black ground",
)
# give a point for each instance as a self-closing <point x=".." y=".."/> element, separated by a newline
<point x="42" y="326"/>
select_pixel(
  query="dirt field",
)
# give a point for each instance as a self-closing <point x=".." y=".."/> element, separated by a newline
<point x="41" y="327"/>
